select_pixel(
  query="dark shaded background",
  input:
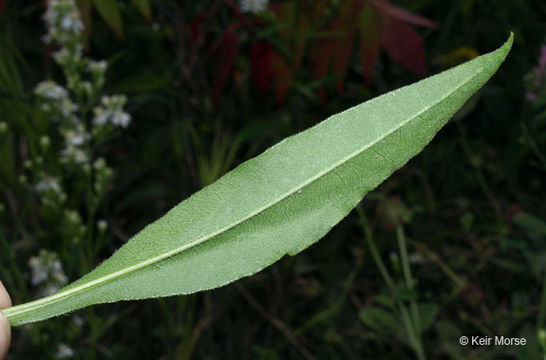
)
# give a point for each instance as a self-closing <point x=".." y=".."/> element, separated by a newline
<point x="471" y="205"/>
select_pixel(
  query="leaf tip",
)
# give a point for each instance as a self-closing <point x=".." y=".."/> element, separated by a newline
<point x="507" y="46"/>
<point x="499" y="55"/>
<point x="510" y="40"/>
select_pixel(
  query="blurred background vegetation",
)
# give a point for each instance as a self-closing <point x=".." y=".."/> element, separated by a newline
<point x="452" y="244"/>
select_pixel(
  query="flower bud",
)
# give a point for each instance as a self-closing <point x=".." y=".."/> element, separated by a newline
<point x="45" y="142"/>
<point x="102" y="225"/>
<point x="3" y="128"/>
<point x="541" y="334"/>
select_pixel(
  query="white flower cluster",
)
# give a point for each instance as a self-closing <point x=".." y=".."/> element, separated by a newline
<point x="98" y="66"/>
<point x="50" y="191"/>
<point x="253" y="6"/>
<point x="56" y="100"/>
<point x="69" y="106"/>
<point x="66" y="58"/>
<point x="50" y="90"/>
<point x="63" y="22"/>
<point x="64" y="351"/>
<point x="75" y="138"/>
<point x="48" y="184"/>
<point x="111" y="111"/>
<point x="47" y="272"/>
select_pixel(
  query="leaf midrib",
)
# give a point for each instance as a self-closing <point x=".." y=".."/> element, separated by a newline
<point x="17" y="310"/>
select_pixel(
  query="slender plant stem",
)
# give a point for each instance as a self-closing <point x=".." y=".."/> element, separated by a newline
<point x="375" y="253"/>
<point x="407" y="275"/>
<point x="413" y="337"/>
<point x="409" y="284"/>
<point x="412" y="327"/>
<point x="441" y="264"/>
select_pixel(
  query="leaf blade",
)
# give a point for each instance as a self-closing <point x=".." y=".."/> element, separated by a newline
<point x="109" y="11"/>
<point x="287" y="198"/>
<point x="144" y="8"/>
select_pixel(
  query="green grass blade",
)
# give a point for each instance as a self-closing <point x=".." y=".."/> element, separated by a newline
<point x="277" y="203"/>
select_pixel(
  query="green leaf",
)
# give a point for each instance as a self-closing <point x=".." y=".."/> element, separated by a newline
<point x="427" y="314"/>
<point x="144" y="8"/>
<point x="534" y="226"/>
<point x="380" y="320"/>
<point x="277" y="203"/>
<point x="109" y="10"/>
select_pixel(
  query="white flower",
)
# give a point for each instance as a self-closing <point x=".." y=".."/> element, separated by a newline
<point x="51" y="14"/>
<point x="63" y="16"/>
<point x="73" y="216"/>
<point x="46" y="184"/>
<point x="98" y="66"/>
<point x="67" y="107"/>
<point x="99" y="164"/>
<point x="66" y="22"/>
<point x="101" y="116"/>
<point x="72" y="22"/>
<point x="78" y="321"/>
<point x="64" y="351"/>
<point x="57" y="273"/>
<point x="47" y="270"/>
<point x="79" y="156"/>
<point x="50" y="90"/>
<point x="73" y="153"/>
<point x="253" y="6"/>
<point x="62" y="56"/>
<point x="56" y="99"/>
<point x="39" y="271"/>
<point x="102" y="225"/>
<point x="74" y="138"/>
<point x="121" y="118"/>
<point x="63" y="21"/>
<point x="86" y="87"/>
<point x="114" y="101"/>
<point x="112" y="111"/>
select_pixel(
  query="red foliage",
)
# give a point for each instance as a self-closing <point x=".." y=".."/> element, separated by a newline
<point x="370" y="38"/>
<point x="379" y="23"/>
<point x="404" y="45"/>
<point x="268" y="64"/>
<point x="225" y="54"/>
<point x="345" y="26"/>
<point x="261" y="53"/>
<point x="196" y="25"/>
<point x="396" y="12"/>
